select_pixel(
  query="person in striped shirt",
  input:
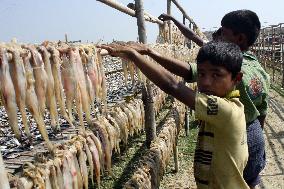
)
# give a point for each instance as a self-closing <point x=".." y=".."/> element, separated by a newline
<point x="221" y="151"/>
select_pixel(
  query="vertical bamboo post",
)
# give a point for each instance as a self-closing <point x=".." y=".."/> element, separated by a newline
<point x="66" y="38"/>
<point x="264" y="47"/>
<point x="183" y="21"/>
<point x="273" y="53"/>
<point x="169" y="12"/>
<point x="282" y="54"/>
<point x="175" y="148"/>
<point x="147" y="92"/>
<point x="186" y="120"/>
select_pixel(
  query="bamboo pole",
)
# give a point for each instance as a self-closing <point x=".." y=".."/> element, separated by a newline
<point x="282" y="55"/>
<point x="183" y="12"/>
<point x="116" y="5"/>
<point x="169" y="12"/>
<point x="147" y="92"/>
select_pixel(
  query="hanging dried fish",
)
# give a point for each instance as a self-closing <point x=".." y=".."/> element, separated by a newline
<point x="8" y="93"/>
<point x="18" y="72"/>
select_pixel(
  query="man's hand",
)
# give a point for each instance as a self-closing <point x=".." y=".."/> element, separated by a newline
<point x="165" y="17"/>
<point x="139" y="47"/>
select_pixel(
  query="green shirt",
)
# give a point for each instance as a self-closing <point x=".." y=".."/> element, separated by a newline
<point x="253" y="88"/>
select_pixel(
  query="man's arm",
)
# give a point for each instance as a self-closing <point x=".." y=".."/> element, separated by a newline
<point x="175" y="66"/>
<point x="187" y="32"/>
<point x="161" y="77"/>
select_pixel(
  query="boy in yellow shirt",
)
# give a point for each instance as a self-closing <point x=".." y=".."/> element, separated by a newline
<point x="221" y="152"/>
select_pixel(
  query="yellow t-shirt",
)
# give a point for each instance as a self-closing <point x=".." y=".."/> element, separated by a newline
<point x="221" y="152"/>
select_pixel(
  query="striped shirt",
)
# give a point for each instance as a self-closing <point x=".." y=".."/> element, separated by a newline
<point x="221" y="152"/>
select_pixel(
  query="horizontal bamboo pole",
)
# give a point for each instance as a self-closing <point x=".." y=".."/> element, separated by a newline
<point x="183" y="12"/>
<point x="126" y="10"/>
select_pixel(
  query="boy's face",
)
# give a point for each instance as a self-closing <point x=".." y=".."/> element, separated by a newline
<point x="214" y="80"/>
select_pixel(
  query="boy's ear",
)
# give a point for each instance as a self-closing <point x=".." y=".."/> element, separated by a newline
<point x="238" y="77"/>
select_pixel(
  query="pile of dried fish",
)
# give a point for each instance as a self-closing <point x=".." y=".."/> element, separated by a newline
<point x="46" y="88"/>
<point x="88" y="154"/>
<point x="153" y="165"/>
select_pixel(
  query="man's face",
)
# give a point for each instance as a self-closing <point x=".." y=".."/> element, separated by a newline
<point x="214" y="80"/>
<point x="228" y="35"/>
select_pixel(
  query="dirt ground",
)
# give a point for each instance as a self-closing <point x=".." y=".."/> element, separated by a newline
<point x="272" y="175"/>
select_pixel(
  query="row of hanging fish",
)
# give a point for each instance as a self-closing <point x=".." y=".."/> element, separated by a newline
<point x="153" y="164"/>
<point x="50" y="77"/>
<point x="88" y="154"/>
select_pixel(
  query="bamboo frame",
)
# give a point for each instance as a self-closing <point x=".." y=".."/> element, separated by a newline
<point x="116" y="5"/>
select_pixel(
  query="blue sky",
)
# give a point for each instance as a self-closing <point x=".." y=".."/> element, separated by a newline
<point x="33" y="21"/>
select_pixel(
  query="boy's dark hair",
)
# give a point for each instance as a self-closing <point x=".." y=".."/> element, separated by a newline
<point x="243" y="21"/>
<point x="220" y="53"/>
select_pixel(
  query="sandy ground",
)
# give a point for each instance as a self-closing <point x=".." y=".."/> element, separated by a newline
<point x="272" y="175"/>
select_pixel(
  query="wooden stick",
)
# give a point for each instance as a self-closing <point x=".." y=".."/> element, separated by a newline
<point x="169" y="12"/>
<point x="183" y="12"/>
<point x="129" y="11"/>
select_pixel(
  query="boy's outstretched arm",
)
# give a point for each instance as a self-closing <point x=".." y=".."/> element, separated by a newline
<point x="175" y="66"/>
<point x="187" y="32"/>
<point x="159" y="76"/>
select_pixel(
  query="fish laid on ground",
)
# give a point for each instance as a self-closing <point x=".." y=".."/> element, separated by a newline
<point x="8" y="93"/>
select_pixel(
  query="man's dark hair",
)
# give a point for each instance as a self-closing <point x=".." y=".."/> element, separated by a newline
<point x="220" y="53"/>
<point x="243" y="21"/>
<point x="216" y="35"/>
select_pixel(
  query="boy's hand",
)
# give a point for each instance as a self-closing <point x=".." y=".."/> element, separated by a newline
<point x="164" y="17"/>
<point x="118" y="50"/>
<point x="139" y="47"/>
